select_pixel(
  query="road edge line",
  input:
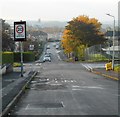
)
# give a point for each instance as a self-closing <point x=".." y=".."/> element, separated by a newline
<point x="105" y="75"/>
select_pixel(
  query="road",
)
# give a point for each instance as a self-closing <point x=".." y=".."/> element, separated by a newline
<point x="62" y="88"/>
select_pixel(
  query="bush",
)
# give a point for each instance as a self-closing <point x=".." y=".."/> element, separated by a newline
<point x="17" y="56"/>
<point x="16" y="64"/>
<point x="117" y="68"/>
<point x="7" y="57"/>
<point x="97" y="57"/>
<point x="27" y="57"/>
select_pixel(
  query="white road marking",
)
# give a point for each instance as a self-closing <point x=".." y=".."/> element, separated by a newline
<point x="86" y="87"/>
<point x="27" y="107"/>
<point x="62" y="104"/>
<point x="85" y="66"/>
<point x="76" y="89"/>
<point x="75" y="86"/>
<point x="55" y="84"/>
<point x="59" y="58"/>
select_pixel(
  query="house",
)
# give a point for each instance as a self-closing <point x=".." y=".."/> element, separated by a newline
<point x="109" y="36"/>
<point x="109" y="50"/>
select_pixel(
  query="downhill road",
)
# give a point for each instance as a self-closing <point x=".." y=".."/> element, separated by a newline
<point x="62" y="88"/>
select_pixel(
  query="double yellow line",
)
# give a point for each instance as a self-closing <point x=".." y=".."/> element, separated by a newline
<point x="105" y="75"/>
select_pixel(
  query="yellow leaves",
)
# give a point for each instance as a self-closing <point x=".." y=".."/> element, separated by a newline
<point x="81" y="30"/>
<point x="95" y="22"/>
<point x="83" y="18"/>
<point x="81" y="50"/>
<point x="87" y="20"/>
<point x="66" y="31"/>
<point x="66" y="45"/>
<point x="67" y="41"/>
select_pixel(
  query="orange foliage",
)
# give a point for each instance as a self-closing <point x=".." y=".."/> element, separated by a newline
<point x="68" y="42"/>
<point x="74" y="37"/>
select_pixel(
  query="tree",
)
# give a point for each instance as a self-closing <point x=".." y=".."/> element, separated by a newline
<point x="7" y="42"/>
<point x="81" y="31"/>
<point x="69" y="43"/>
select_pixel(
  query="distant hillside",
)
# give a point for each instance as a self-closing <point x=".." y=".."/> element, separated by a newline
<point x="60" y="24"/>
<point x="48" y="24"/>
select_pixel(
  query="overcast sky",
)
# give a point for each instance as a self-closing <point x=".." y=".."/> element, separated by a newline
<point x="57" y="10"/>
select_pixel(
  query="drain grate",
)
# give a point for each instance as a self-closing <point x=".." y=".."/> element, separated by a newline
<point x="46" y="105"/>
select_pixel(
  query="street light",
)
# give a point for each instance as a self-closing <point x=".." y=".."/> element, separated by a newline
<point x="113" y="56"/>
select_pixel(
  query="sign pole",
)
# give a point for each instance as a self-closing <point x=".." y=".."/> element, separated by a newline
<point x="21" y="59"/>
<point x="20" y="35"/>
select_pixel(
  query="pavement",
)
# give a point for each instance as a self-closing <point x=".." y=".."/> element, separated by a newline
<point x="100" y="70"/>
<point x="12" y="85"/>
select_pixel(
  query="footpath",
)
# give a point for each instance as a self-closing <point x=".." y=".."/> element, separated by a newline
<point x="109" y="74"/>
<point x="97" y="68"/>
<point x="100" y="70"/>
<point x="13" y="85"/>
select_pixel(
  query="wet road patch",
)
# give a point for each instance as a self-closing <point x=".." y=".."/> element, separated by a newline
<point x="43" y="86"/>
<point x="45" y="105"/>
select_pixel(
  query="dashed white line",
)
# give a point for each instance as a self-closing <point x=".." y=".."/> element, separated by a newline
<point x="27" y="107"/>
<point x="76" y="89"/>
<point x="62" y="104"/>
<point x="75" y="86"/>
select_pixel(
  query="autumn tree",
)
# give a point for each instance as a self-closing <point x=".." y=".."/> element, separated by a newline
<point x="69" y="42"/>
<point x="82" y="31"/>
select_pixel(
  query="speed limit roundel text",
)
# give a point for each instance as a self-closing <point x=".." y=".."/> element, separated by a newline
<point x="19" y="29"/>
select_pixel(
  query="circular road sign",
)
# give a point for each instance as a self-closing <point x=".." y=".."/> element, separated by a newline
<point x="19" y="29"/>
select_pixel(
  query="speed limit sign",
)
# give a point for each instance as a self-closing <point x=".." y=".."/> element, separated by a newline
<point x="20" y="31"/>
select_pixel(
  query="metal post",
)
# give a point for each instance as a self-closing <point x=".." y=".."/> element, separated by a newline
<point x="113" y="44"/>
<point x="21" y="59"/>
<point x="113" y="56"/>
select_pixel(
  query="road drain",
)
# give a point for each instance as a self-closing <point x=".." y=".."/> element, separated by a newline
<point x="46" y="105"/>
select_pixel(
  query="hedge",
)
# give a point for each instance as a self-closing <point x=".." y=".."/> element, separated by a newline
<point x="7" y="57"/>
<point x="27" y="56"/>
<point x="11" y="57"/>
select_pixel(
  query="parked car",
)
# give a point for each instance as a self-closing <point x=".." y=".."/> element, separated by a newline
<point x="46" y="58"/>
<point x="48" y="54"/>
<point x="57" y="46"/>
<point x="48" y="47"/>
<point x="54" y="44"/>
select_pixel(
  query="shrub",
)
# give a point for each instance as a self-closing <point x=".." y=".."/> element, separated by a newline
<point x="16" y="64"/>
<point x="27" y="57"/>
<point x="7" y="57"/>
<point x="17" y="56"/>
<point x="117" y="68"/>
<point x="97" y="57"/>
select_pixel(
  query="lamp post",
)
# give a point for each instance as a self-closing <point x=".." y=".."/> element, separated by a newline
<point x="113" y="56"/>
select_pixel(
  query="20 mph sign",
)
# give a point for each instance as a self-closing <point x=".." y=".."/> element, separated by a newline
<point x="20" y="31"/>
